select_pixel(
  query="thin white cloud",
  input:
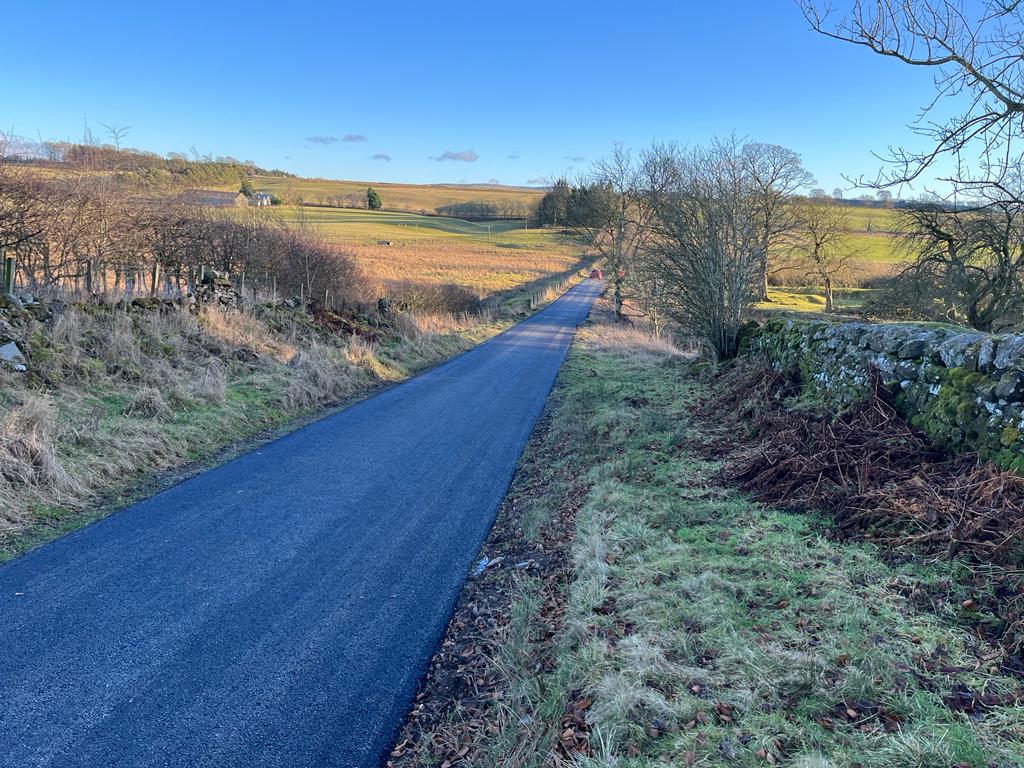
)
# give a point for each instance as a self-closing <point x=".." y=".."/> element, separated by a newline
<point x="381" y="156"/>
<point x="354" y="138"/>
<point x="322" y="139"/>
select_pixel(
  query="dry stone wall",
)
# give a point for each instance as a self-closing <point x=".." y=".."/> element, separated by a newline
<point x="965" y="390"/>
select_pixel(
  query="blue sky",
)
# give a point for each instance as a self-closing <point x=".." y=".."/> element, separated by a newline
<point x="530" y="89"/>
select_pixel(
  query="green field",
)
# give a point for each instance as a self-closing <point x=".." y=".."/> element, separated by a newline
<point x="417" y="198"/>
<point x="811" y="299"/>
<point x="873" y="235"/>
<point x="351" y="225"/>
<point x="875" y="255"/>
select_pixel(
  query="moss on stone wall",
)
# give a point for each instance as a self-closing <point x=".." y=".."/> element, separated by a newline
<point x="965" y="390"/>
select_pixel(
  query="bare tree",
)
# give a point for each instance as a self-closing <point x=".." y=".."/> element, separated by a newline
<point x="20" y="200"/>
<point x="968" y="264"/>
<point x="117" y="133"/>
<point x="776" y="173"/>
<point x="977" y="53"/>
<point x="75" y="231"/>
<point x="821" y="246"/>
<point x="708" y="242"/>
<point x="611" y="209"/>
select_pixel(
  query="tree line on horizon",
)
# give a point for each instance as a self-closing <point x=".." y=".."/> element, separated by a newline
<point x="134" y="166"/>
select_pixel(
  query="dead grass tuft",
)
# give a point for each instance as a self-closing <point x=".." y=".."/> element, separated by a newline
<point x="631" y="339"/>
<point x="28" y="457"/>
<point x="245" y="331"/>
<point x="211" y="385"/>
<point x="148" y="403"/>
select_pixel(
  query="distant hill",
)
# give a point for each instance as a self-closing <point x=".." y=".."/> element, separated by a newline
<point x="134" y="166"/>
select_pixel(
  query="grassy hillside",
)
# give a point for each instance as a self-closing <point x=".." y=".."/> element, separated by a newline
<point x="418" y="198"/>
<point x="351" y="225"/>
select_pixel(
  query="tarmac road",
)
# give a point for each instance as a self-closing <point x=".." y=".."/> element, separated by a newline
<point x="280" y="609"/>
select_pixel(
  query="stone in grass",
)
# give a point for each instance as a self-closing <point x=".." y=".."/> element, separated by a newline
<point x="11" y="355"/>
<point x="147" y="302"/>
<point x="10" y="301"/>
<point x="1011" y="386"/>
<point x="40" y="311"/>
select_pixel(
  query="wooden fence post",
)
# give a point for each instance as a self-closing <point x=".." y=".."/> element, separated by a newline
<point x="9" y="264"/>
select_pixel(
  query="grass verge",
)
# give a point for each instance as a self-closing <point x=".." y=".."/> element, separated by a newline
<point x="696" y="627"/>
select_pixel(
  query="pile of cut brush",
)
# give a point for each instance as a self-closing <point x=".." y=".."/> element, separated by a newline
<point x="866" y="466"/>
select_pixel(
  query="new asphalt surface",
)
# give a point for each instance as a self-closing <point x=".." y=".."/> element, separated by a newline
<point x="280" y="609"/>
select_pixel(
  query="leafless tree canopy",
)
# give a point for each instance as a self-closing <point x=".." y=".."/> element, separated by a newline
<point x="611" y="208"/>
<point x="968" y="264"/>
<point x="687" y="235"/>
<point x="95" y="234"/>
<point x="777" y="174"/>
<point x="820" y="245"/>
<point x="709" y="239"/>
<point x="977" y="53"/>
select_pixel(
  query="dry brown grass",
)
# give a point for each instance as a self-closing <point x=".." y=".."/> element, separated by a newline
<point x="28" y="459"/>
<point x="245" y="331"/>
<point x="149" y="402"/>
<point x="484" y="269"/>
<point x="632" y="340"/>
